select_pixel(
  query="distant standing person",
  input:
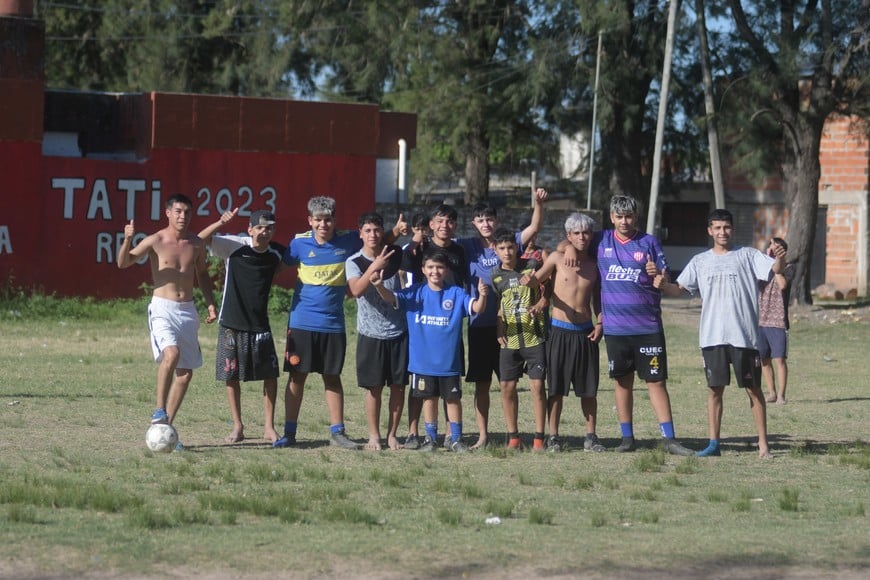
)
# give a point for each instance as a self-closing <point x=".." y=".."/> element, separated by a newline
<point x="382" y="333"/>
<point x="176" y="256"/>
<point x="483" y="346"/>
<point x="572" y="345"/>
<point x="773" y="302"/>
<point x="245" y="345"/>
<point x="727" y="278"/>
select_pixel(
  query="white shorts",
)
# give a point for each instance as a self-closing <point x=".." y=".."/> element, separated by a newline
<point x="175" y="324"/>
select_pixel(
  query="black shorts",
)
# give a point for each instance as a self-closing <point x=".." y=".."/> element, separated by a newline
<point x="245" y="356"/>
<point x="572" y="359"/>
<point x="513" y="361"/>
<point x="746" y="363"/>
<point x="644" y="353"/>
<point x="381" y="361"/>
<point x="483" y="354"/>
<point x="319" y="352"/>
<point x="427" y="386"/>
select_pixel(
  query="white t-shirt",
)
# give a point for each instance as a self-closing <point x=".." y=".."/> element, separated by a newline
<point x="728" y="285"/>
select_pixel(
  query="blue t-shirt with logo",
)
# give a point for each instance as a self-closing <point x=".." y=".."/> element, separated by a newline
<point x="434" y="328"/>
<point x="481" y="260"/>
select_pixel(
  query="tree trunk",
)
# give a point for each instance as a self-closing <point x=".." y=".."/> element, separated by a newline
<point x="477" y="166"/>
<point x="801" y="172"/>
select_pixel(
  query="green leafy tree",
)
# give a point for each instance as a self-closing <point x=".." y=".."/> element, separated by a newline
<point x="793" y="63"/>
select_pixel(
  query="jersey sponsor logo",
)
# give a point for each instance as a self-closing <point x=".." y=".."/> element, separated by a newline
<point x="622" y="274"/>
<point x="447" y="304"/>
<point x="429" y="320"/>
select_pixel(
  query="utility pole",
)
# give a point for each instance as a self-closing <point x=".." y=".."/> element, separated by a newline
<point x="594" y="122"/>
<point x="660" y="125"/>
<point x="710" y="108"/>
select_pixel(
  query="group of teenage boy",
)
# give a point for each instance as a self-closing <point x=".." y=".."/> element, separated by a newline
<point x="529" y="313"/>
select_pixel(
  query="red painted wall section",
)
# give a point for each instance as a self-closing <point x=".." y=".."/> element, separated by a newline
<point x="21" y="227"/>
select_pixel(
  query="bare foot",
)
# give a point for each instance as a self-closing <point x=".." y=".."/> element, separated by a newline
<point x="235" y="437"/>
<point x="765" y="455"/>
<point x="481" y="444"/>
<point x="781" y="401"/>
<point x="271" y="435"/>
<point x="771" y="398"/>
<point x="374" y="444"/>
<point x="393" y="443"/>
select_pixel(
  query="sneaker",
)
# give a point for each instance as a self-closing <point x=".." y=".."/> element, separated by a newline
<point x="458" y="446"/>
<point x="340" y="439"/>
<point x="515" y="444"/>
<point x="179" y="446"/>
<point x="554" y="444"/>
<point x="673" y="447"/>
<point x="429" y="445"/>
<point x="592" y="443"/>
<point x="709" y="451"/>
<point x="626" y="446"/>
<point x="537" y="444"/>
<point x="159" y="416"/>
<point x="412" y="442"/>
<point x="288" y="440"/>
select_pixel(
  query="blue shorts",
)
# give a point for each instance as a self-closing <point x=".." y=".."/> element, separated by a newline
<point x="772" y="342"/>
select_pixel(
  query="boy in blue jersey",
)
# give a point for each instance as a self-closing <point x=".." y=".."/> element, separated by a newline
<point x="316" y="339"/>
<point x="434" y="312"/>
<point x="483" y="346"/>
<point x="628" y="260"/>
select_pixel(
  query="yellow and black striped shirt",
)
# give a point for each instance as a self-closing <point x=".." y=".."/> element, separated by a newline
<point x="521" y="328"/>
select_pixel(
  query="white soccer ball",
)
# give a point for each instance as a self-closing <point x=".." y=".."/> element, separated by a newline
<point x="161" y="438"/>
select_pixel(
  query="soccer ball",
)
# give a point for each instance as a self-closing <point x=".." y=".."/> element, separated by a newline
<point x="161" y="438"/>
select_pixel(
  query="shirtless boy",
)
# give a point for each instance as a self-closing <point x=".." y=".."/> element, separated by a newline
<point x="176" y="256"/>
<point x="572" y="347"/>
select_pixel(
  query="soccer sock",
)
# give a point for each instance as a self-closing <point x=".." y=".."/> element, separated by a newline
<point x="539" y="436"/>
<point x="290" y="427"/>
<point x="455" y="431"/>
<point x="667" y="429"/>
<point x="432" y="430"/>
<point x="337" y="428"/>
<point x="590" y="436"/>
<point x="627" y="429"/>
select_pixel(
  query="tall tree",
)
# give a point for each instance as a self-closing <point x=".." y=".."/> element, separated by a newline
<point x="224" y="46"/>
<point x="796" y="62"/>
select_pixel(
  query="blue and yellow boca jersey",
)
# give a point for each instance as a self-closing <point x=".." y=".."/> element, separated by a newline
<point x="321" y="284"/>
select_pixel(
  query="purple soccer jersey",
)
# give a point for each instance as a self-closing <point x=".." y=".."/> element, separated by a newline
<point x="630" y="303"/>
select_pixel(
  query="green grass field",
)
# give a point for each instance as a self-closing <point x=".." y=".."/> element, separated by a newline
<point x="80" y="495"/>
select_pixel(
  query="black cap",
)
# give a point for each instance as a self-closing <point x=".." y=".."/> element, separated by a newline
<point x="261" y="217"/>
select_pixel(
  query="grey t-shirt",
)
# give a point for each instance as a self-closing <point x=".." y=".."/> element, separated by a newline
<point x="728" y="285"/>
<point x="374" y="317"/>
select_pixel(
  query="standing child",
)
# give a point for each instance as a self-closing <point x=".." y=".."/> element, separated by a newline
<point x="521" y="334"/>
<point x="177" y="257"/>
<point x="434" y="312"/>
<point x="572" y="344"/>
<point x="483" y="347"/>
<point x="727" y="278"/>
<point x="245" y="346"/>
<point x="382" y="336"/>
<point x="773" y="301"/>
